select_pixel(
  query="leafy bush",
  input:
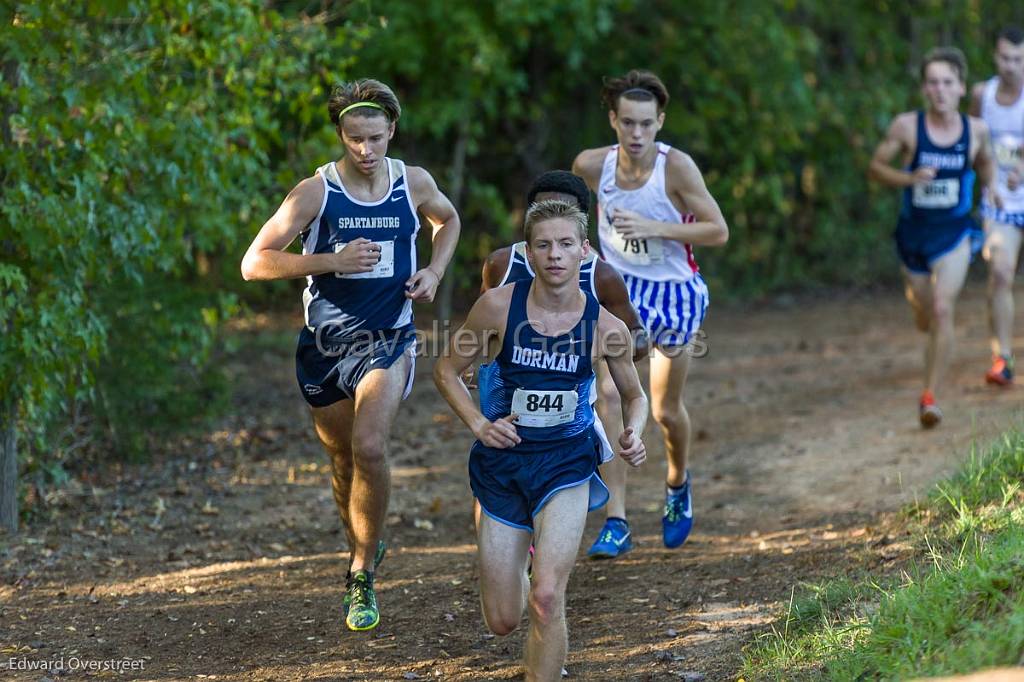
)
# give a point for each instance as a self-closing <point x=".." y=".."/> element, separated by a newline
<point x="142" y="142"/>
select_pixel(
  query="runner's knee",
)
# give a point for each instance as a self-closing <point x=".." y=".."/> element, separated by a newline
<point x="545" y="602"/>
<point x="942" y="309"/>
<point x="1001" y="274"/>
<point x="501" y="619"/>
<point x="669" y="416"/>
<point x="368" y="448"/>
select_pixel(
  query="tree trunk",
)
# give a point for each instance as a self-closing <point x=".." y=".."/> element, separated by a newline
<point x="8" y="467"/>
<point x="456" y="185"/>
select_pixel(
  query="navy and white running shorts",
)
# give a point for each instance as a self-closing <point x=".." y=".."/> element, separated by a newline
<point x="672" y="311"/>
<point x="998" y="215"/>
<point x="329" y="371"/>
<point x="919" y="246"/>
<point x="513" y="487"/>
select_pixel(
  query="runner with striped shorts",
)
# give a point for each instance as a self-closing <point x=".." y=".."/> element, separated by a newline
<point x="653" y="206"/>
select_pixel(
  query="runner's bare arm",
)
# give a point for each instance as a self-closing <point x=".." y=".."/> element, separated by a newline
<point x="977" y="93"/>
<point x="266" y="258"/>
<point x="685" y="186"/>
<point x="985" y="161"/>
<point x="494" y="268"/>
<point x="490" y="277"/>
<point x="614" y="296"/>
<point x="433" y="205"/>
<point x="899" y="140"/>
<point x="613" y="345"/>
<point x="588" y="165"/>
<point x="483" y="327"/>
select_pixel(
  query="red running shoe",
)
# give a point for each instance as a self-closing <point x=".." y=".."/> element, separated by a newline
<point x="930" y="413"/>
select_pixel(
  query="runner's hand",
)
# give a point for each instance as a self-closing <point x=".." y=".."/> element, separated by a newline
<point x="994" y="196"/>
<point x="1013" y="180"/>
<point x="500" y="433"/>
<point x="641" y="343"/>
<point x="422" y="286"/>
<point x="633" y="449"/>
<point x="358" y="255"/>
<point x="632" y="225"/>
<point x="923" y="174"/>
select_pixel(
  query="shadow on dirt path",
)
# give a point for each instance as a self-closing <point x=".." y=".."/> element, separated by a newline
<point x="224" y="561"/>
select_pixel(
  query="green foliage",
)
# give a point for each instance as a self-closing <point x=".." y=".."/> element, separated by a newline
<point x="478" y="83"/>
<point x="961" y="609"/>
<point x="143" y="140"/>
<point x="781" y="103"/>
<point x="163" y="379"/>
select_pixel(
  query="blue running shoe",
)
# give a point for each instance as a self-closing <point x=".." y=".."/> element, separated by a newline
<point x="613" y="540"/>
<point x="678" y="518"/>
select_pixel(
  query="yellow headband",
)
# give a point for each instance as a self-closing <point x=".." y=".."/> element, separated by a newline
<point x="350" y="107"/>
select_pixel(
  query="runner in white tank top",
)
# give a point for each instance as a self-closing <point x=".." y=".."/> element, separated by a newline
<point x="652" y="205"/>
<point x="655" y="258"/>
<point x="999" y="101"/>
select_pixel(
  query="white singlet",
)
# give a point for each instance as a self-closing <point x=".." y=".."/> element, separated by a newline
<point x="654" y="259"/>
<point x="1006" y="125"/>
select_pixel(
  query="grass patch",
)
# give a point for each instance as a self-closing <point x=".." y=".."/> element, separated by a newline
<point x="957" y="609"/>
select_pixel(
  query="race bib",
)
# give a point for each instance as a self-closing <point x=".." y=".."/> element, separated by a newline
<point x="1007" y="151"/>
<point x="544" y="408"/>
<point x="944" y="193"/>
<point x="384" y="268"/>
<point x="649" y="251"/>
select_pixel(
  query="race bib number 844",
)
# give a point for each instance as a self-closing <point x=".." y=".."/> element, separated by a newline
<point x="544" y="408"/>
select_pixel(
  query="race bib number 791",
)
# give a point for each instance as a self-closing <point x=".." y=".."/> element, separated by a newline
<point x="544" y="408"/>
<point x="650" y="251"/>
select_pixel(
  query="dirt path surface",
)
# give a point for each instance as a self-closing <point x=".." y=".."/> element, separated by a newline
<point x="223" y="561"/>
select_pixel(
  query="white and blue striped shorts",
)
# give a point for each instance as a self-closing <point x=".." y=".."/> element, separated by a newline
<point x="671" y="311"/>
<point x="998" y="215"/>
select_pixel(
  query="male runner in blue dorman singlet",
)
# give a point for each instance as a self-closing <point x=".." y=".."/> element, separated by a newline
<point x="533" y="467"/>
<point x="940" y="149"/>
<point x="598" y="278"/>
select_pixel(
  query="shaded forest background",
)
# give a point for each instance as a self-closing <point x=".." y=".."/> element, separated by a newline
<point x="145" y="142"/>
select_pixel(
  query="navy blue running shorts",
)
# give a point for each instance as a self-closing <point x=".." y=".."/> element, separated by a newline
<point x="513" y="487"/>
<point x="329" y="371"/>
<point x="919" y="246"/>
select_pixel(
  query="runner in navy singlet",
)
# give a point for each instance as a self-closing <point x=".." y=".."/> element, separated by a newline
<point x="533" y="467"/>
<point x="358" y="219"/>
<point x="940" y="150"/>
<point x="597" y="277"/>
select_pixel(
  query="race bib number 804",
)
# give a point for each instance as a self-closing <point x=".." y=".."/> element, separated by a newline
<point x="944" y="193"/>
<point x="544" y="408"/>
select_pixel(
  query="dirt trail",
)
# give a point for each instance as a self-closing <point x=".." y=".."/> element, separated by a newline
<point x="223" y="562"/>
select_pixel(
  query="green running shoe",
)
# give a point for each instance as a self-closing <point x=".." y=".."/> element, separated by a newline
<point x="382" y="549"/>
<point x="362" y="605"/>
